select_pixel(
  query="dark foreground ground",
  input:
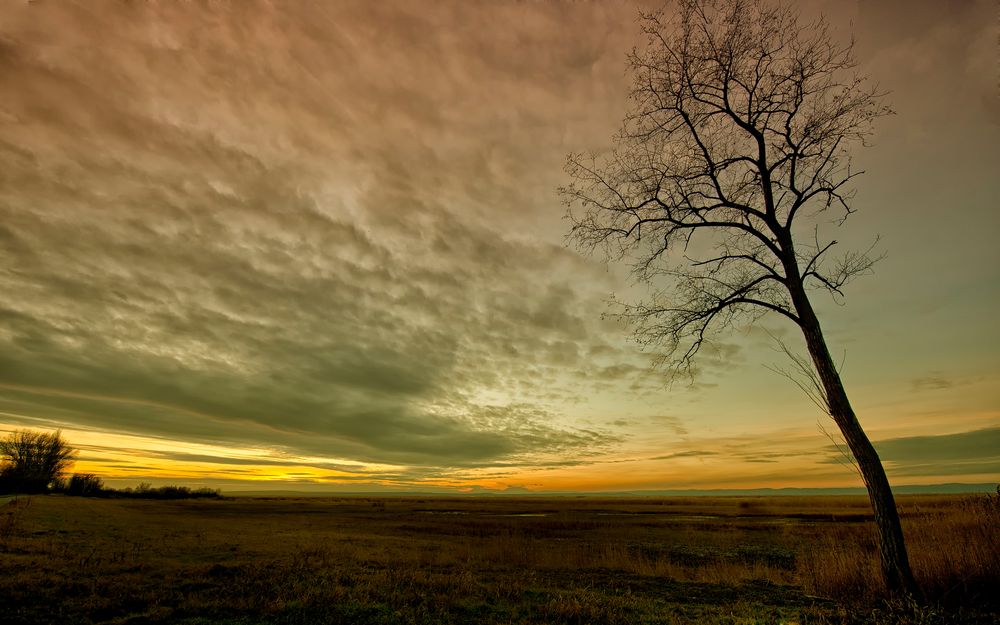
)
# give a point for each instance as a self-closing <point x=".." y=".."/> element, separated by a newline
<point x="488" y="560"/>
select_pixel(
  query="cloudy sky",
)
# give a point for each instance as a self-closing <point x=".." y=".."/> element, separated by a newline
<point x="289" y="245"/>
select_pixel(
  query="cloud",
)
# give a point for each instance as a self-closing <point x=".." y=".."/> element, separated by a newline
<point x="934" y="382"/>
<point x="691" y="453"/>
<point x="314" y="229"/>
<point x="963" y="453"/>
<point x="672" y="422"/>
<point x="976" y="444"/>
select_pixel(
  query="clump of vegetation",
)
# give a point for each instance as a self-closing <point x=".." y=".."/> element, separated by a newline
<point x="146" y="491"/>
<point x="89" y="485"/>
<point x="84" y="485"/>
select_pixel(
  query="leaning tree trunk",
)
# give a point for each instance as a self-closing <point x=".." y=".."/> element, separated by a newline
<point x="895" y="563"/>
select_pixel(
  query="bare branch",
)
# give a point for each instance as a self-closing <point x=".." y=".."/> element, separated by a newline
<point x="740" y="121"/>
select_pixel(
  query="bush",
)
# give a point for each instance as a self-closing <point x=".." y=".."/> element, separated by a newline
<point x="85" y="485"/>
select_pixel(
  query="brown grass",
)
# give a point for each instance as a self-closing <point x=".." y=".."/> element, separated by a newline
<point x="480" y="560"/>
<point x="954" y="547"/>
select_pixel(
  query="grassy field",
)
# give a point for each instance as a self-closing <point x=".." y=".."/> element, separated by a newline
<point x="488" y="560"/>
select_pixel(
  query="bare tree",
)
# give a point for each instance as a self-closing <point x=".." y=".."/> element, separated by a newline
<point x="731" y="163"/>
<point x="33" y="460"/>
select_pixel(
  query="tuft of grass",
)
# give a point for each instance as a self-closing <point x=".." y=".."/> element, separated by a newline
<point x="11" y="513"/>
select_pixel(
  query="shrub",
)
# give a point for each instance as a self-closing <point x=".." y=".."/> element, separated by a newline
<point x="85" y="485"/>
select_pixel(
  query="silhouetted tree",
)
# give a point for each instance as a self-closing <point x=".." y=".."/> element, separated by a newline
<point x="735" y="143"/>
<point x="33" y="460"/>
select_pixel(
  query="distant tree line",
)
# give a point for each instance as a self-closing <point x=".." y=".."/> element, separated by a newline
<point x="38" y="463"/>
<point x="90" y="485"/>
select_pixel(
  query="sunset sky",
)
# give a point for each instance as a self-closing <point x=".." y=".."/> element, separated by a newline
<point x="291" y="245"/>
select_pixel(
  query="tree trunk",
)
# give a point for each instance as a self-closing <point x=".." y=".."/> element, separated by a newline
<point x="895" y="563"/>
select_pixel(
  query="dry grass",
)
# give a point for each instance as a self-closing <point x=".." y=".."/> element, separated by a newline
<point x="10" y="517"/>
<point x="954" y="547"/>
<point x="410" y="560"/>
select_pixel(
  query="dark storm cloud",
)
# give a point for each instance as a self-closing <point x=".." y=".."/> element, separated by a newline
<point x="977" y="451"/>
<point x="238" y="224"/>
<point x="964" y="453"/>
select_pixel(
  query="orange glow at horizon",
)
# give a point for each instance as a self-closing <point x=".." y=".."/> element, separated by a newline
<point x="132" y="459"/>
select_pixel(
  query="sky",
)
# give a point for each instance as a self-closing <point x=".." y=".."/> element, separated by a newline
<point x="319" y="246"/>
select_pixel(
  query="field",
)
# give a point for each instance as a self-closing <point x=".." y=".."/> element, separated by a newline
<point x="488" y="560"/>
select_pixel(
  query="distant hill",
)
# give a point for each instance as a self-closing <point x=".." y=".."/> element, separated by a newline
<point x="915" y="489"/>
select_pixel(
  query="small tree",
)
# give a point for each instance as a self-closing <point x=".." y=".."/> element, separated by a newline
<point x="731" y="158"/>
<point x="33" y="460"/>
